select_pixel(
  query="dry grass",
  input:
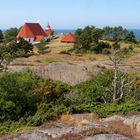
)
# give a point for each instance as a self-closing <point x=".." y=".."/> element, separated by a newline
<point x="78" y="121"/>
<point x="94" y="131"/>
<point x="48" y="125"/>
<point x="71" y="136"/>
<point x="98" y="57"/>
<point x="137" y="50"/>
<point x="59" y="49"/>
<point x="119" y="127"/>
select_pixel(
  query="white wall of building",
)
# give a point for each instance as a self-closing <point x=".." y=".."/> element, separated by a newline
<point x="30" y="40"/>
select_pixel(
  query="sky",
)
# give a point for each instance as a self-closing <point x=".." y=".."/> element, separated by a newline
<point x="70" y="14"/>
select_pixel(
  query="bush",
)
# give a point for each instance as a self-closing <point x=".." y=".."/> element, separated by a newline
<point x="65" y="52"/>
<point x="47" y="111"/>
<point x="16" y="95"/>
<point x="105" y="51"/>
<point x="95" y="89"/>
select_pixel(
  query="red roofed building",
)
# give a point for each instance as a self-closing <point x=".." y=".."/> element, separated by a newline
<point x="32" y="32"/>
<point x="48" y="31"/>
<point x="68" y="38"/>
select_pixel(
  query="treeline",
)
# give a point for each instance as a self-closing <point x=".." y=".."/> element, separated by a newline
<point x="95" y="39"/>
<point x="118" y="34"/>
<point x="8" y="35"/>
<point x="27" y="100"/>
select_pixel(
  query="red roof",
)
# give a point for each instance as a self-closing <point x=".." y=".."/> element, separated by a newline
<point x="68" y="38"/>
<point x="31" y="30"/>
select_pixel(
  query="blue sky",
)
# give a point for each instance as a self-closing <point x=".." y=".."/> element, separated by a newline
<point x="70" y="14"/>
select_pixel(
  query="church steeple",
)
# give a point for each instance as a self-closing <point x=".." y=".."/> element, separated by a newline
<point x="48" y="27"/>
<point x="48" y="30"/>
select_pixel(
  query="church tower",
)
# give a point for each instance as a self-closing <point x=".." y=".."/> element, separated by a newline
<point x="48" y="30"/>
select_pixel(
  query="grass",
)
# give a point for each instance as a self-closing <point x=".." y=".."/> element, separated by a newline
<point x="12" y="130"/>
<point x="51" y="60"/>
<point x="59" y="52"/>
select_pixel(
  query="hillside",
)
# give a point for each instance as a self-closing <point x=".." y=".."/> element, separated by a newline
<point x="72" y="68"/>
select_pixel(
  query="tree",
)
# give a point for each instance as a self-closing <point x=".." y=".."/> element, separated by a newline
<point x="1" y="36"/>
<point x="130" y="37"/>
<point x="11" y="34"/>
<point x="99" y="47"/>
<point x="118" y="34"/>
<point x="13" y="49"/>
<point x="120" y="80"/>
<point x="107" y="33"/>
<point x="116" y="46"/>
<point x="52" y="32"/>
<point x="6" y="56"/>
<point x="83" y="37"/>
<point x="24" y="46"/>
<point x="96" y="35"/>
<point x="78" y="32"/>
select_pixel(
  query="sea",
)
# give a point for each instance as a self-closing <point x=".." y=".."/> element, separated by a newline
<point x="65" y="31"/>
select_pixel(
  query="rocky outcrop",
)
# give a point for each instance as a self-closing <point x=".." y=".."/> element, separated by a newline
<point x="69" y="73"/>
<point x="91" y="129"/>
<point x="132" y="121"/>
<point x="108" y="137"/>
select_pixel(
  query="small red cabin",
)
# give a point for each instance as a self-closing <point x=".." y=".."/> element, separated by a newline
<point x="68" y="38"/>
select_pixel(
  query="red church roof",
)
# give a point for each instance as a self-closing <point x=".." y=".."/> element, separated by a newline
<point x="68" y="38"/>
<point x="31" y="30"/>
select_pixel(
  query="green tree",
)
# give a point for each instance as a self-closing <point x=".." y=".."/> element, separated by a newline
<point x="11" y="34"/>
<point x="78" y="32"/>
<point x="24" y="46"/>
<point x="99" y="47"/>
<point x="130" y="37"/>
<point x="96" y="35"/>
<point x="1" y="36"/>
<point x="107" y="33"/>
<point x="6" y="56"/>
<point x="116" y="46"/>
<point x="83" y="37"/>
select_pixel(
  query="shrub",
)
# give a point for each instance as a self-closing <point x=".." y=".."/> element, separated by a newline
<point x="46" y="111"/>
<point x="95" y="89"/>
<point x="15" y="95"/>
<point x="65" y="52"/>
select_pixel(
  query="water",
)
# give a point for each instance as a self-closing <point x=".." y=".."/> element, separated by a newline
<point x="65" y="31"/>
<point x="136" y="33"/>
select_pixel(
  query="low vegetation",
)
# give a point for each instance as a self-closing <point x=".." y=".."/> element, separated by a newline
<point x="22" y="105"/>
